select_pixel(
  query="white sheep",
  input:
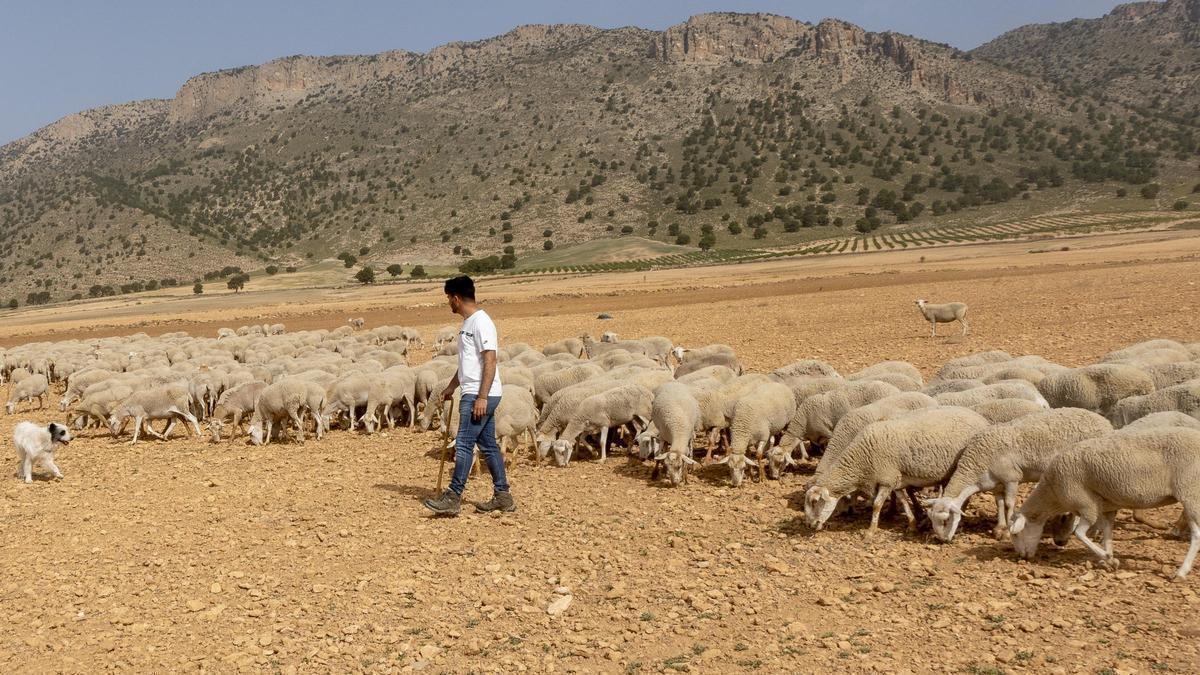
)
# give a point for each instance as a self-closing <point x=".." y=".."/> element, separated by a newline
<point x="946" y="313"/>
<point x="998" y="459"/>
<point x="676" y="418"/>
<point x="992" y="392"/>
<point x="718" y="359"/>
<point x="759" y="417"/>
<point x="80" y="381"/>
<point x="284" y="401"/>
<point x="916" y="450"/>
<point x="1184" y="398"/>
<point x="390" y="389"/>
<point x="815" y="419"/>
<point x="1001" y="410"/>
<point x="557" y="412"/>
<point x="1170" y="374"/>
<point x="515" y="418"/>
<point x="600" y="412"/>
<point x="346" y="395"/>
<point x="1097" y="387"/>
<point x="545" y="385"/>
<point x="37" y="444"/>
<point x="27" y="389"/>
<point x="949" y="368"/>
<point x="167" y="402"/>
<point x="609" y="336"/>
<point x="952" y="385"/>
<point x="237" y="403"/>
<point x="356" y="323"/>
<point x="1138" y="469"/>
<point x="806" y="368"/>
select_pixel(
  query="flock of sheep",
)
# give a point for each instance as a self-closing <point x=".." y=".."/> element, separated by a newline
<point x="1121" y="433"/>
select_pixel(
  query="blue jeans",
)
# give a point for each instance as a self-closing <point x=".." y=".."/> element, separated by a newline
<point x="470" y="433"/>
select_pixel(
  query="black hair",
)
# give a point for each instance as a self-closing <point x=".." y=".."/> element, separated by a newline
<point x="462" y="286"/>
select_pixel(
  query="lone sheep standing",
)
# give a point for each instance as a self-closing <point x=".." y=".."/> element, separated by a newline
<point x="35" y="443"/>
<point x="947" y="313"/>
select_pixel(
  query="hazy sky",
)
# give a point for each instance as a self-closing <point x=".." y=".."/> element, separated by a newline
<point x="61" y="56"/>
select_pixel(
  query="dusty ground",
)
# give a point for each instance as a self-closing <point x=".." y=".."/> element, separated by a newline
<point x="317" y="557"/>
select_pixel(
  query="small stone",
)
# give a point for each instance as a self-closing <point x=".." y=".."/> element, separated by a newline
<point x="562" y="590"/>
<point x="492" y="568"/>
<point x="796" y="628"/>
<point x="215" y="588"/>
<point x="885" y="587"/>
<point x="194" y="605"/>
<point x="827" y="601"/>
<point x="559" y="605"/>
<point x="429" y="651"/>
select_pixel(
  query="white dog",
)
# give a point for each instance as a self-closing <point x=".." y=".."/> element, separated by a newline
<point x="36" y="443"/>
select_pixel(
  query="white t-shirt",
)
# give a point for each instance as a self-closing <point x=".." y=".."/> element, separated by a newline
<point x="477" y="335"/>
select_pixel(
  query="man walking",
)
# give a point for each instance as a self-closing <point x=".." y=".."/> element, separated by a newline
<point x="481" y="389"/>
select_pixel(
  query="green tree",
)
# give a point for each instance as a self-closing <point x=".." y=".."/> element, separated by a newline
<point x="395" y="269"/>
<point x="707" y="241"/>
<point x="237" y="282"/>
<point x="272" y="270"/>
<point x="349" y="261"/>
<point x="1150" y="190"/>
<point x="547" y="245"/>
<point x="198" y="288"/>
<point x="12" y="304"/>
<point x="365" y="276"/>
<point x="1180" y="205"/>
<point x="418" y="271"/>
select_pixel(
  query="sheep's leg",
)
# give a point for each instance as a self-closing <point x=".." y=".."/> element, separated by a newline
<point x="902" y="498"/>
<point x="166" y="434"/>
<point x="881" y="495"/>
<point x="191" y="419"/>
<point x="714" y="440"/>
<point x="1106" y="532"/>
<point x="933" y="328"/>
<point x="294" y="415"/>
<point x="966" y="328"/>
<point x="504" y="451"/>
<point x="762" y="467"/>
<point x="603" y="444"/>
<point x="1193" y="547"/>
<point x="27" y="468"/>
<point x="137" y="429"/>
<point x="1002" y="521"/>
<point x="1010" y="503"/>
<point x="1081" y="533"/>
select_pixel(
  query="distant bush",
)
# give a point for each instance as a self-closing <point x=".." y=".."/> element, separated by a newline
<point x="1150" y="190"/>
<point x="272" y="270"/>
<point x="1180" y="205"/>
<point x="237" y="282"/>
<point x="547" y="245"/>
<point x="395" y="269"/>
<point x="365" y="276"/>
<point x="198" y="288"/>
<point x="418" y="271"/>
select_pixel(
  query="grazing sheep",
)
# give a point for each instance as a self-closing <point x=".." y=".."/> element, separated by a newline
<point x="356" y="323"/>
<point x="167" y="402"/>
<point x="1184" y="398"/>
<point x="544" y="386"/>
<point x="676" y="418"/>
<point x="1139" y="469"/>
<point x="950" y="386"/>
<point x="557" y="412"/>
<point x="275" y="329"/>
<point x="1163" y="419"/>
<point x="389" y="389"/>
<point x="883" y="368"/>
<point x="445" y="334"/>
<point x="992" y="392"/>
<point x="1097" y="387"/>
<point x="720" y="373"/>
<point x="916" y="450"/>
<point x="854" y="421"/>
<point x="282" y="401"/>
<point x="719" y="359"/>
<point x="600" y="412"/>
<point x="717" y="402"/>
<point x="223" y="333"/>
<point x="946" y="372"/>
<point x="759" y="417"/>
<point x="37" y="444"/>
<point x="95" y="407"/>
<point x="610" y="337"/>
<point x="346" y="395"/>
<point x="1170" y="374"/>
<point x="516" y="417"/>
<point x="805" y="368"/>
<point x="683" y="355"/>
<point x="570" y="346"/>
<point x="237" y="403"/>
<point x="1000" y="458"/>
<point x="80" y="381"/>
<point x="27" y="389"/>
<point x="815" y="419"/>
<point x="947" y="313"/>
<point x="1001" y="410"/>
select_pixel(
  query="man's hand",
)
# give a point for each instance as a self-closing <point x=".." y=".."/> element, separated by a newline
<point x="479" y="409"/>
<point x="448" y="392"/>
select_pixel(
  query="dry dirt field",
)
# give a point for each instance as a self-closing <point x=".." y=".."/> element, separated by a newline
<point x="183" y="555"/>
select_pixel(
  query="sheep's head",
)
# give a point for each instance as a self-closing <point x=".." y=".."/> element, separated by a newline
<point x="1062" y="527"/>
<point x="676" y="464"/>
<point x="819" y="504"/>
<point x="677" y="352"/>
<point x="778" y="460"/>
<point x="10" y="407"/>
<point x="543" y="446"/>
<point x="116" y="418"/>
<point x="737" y="463"/>
<point x="920" y="303"/>
<point x="1026" y="534"/>
<point x="562" y="450"/>
<point x="945" y="515"/>
<point x="648" y="445"/>
<point x="62" y="404"/>
<point x="255" y="432"/>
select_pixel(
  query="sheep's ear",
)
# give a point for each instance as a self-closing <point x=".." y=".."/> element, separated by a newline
<point x="1017" y="525"/>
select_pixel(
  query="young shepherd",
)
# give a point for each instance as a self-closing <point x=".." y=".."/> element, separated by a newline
<point x="37" y="444"/>
<point x="947" y="313"/>
<point x="1139" y="469"/>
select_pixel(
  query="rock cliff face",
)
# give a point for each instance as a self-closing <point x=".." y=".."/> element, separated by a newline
<point x="725" y="36"/>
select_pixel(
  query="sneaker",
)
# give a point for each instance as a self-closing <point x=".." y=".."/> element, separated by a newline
<point x="501" y="501"/>
<point x="446" y="505"/>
